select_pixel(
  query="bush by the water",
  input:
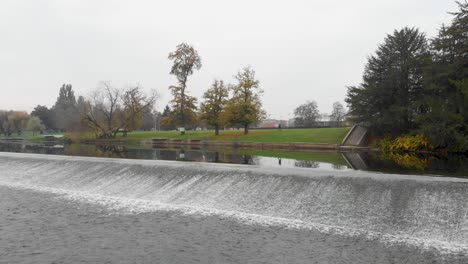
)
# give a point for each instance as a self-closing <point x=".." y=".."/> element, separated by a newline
<point x="409" y="143"/>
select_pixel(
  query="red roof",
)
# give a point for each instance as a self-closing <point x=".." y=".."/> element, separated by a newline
<point x="270" y="124"/>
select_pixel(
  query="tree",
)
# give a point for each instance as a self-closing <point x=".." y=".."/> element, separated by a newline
<point x="135" y="104"/>
<point x="387" y="101"/>
<point x="338" y="113"/>
<point x="445" y="121"/>
<point x="35" y="124"/>
<point x="183" y="108"/>
<point x="6" y="125"/>
<point x="19" y="120"/>
<point x="105" y="105"/>
<point x="245" y="106"/>
<point x="306" y="115"/>
<point x="82" y="108"/>
<point x="150" y="117"/>
<point x="165" y="119"/>
<point x="64" y="110"/>
<point x="45" y="115"/>
<point x="213" y="106"/>
<point x="185" y="60"/>
<point x="12" y="121"/>
<point x="113" y="110"/>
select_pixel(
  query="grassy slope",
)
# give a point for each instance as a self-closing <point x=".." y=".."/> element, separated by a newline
<point x="314" y="135"/>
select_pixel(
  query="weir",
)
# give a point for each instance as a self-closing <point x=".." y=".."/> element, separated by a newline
<point x="420" y="210"/>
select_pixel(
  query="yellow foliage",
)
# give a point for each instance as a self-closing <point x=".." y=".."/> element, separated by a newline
<point x="405" y="143"/>
<point x="407" y="160"/>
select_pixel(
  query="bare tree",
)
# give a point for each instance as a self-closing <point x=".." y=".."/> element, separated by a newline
<point x="306" y="115"/>
<point x="338" y="113"/>
<point x="113" y="110"/>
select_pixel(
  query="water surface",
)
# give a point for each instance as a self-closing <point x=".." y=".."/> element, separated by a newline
<point x="399" y="163"/>
<point x="71" y="209"/>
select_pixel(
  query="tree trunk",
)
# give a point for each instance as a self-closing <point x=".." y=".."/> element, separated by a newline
<point x="246" y="129"/>
<point x="216" y="130"/>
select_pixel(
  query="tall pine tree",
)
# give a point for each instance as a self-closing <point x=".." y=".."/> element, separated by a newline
<point x="387" y="101"/>
<point x="445" y="122"/>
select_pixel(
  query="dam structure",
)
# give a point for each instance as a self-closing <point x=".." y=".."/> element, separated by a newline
<point x="326" y="216"/>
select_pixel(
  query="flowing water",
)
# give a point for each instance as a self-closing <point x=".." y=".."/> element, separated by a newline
<point x="59" y="209"/>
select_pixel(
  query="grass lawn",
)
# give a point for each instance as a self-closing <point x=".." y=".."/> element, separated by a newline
<point x="311" y="135"/>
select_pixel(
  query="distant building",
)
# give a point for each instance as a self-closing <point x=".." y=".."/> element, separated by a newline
<point x="269" y="124"/>
<point x="272" y="123"/>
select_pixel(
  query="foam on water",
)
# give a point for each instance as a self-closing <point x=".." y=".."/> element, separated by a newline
<point x="427" y="212"/>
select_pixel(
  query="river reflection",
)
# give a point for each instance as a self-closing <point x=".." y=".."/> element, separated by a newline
<point x="402" y="163"/>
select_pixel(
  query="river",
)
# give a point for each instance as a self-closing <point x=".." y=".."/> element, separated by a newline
<point x="63" y="209"/>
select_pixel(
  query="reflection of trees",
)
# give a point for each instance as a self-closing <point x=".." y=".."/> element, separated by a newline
<point x="248" y="159"/>
<point x="306" y="164"/>
<point x="113" y="151"/>
<point x="242" y="159"/>
<point x="406" y="160"/>
<point x="339" y="166"/>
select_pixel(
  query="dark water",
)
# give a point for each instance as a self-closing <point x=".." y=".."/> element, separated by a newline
<point x="58" y="209"/>
<point x="39" y="227"/>
<point x="401" y="163"/>
<point x="332" y="161"/>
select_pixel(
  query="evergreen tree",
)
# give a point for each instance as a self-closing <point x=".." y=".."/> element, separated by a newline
<point x="165" y="120"/>
<point x="445" y="123"/>
<point x="64" y="109"/>
<point x="45" y="115"/>
<point x="388" y="99"/>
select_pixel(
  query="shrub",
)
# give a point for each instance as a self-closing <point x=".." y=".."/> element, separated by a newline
<point x="409" y="143"/>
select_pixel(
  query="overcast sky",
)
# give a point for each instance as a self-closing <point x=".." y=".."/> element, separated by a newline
<point x="300" y="49"/>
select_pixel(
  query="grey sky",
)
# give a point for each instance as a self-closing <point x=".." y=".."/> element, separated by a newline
<point x="301" y="50"/>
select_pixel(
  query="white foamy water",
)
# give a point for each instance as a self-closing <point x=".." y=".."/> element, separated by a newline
<point x="427" y="212"/>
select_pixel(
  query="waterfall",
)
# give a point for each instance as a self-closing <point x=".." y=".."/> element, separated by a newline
<point x="424" y="211"/>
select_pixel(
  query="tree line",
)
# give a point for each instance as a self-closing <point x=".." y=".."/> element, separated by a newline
<point x="106" y="112"/>
<point x="416" y="85"/>
<point x="223" y="104"/>
<point x="110" y="110"/>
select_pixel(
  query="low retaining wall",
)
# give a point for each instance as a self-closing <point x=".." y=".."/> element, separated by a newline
<point x="170" y="143"/>
<point x="357" y="136"/>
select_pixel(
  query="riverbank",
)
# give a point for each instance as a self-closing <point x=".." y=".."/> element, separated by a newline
<point x="329" y="139"/>
<point x="311" y="135"/>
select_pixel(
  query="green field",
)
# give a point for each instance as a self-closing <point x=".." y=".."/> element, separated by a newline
<point x="311" y="135"/>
